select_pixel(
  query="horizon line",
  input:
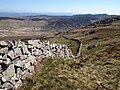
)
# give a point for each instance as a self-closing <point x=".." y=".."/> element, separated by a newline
<point x="56" y="13"/>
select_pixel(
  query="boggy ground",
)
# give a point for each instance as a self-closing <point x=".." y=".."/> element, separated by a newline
<point x="98" y="67"/>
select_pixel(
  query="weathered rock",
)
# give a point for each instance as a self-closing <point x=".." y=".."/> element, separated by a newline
<point x="42" y="57"/>
<point x="24" y="61"/>
<point x="11" y="54"/>
<point x="30" y="47"/>
<point x="1" y="56"/>
<point x="31" y="69"/>
<point x="3" y="43"/>
<point x="18" y="63"/>
<point x="67" y="53"/>
<point x="1" y="69"/>
<point x="49" y="54"/>
<point x="5" y="60"/>
<point x="25" y="74"/>
<point x="15" y="43"/>
<point x="17" y="52"/>
<point x="38" y="46"/>
<point x="47" y="43"/>
<point x="33" y="42"/>
<point x="27" y="65"/>
<point x="8" y="73"/>
<point x="17" y="84"/>
<point x="36" y="43"/>
<point x="32" y="59"/>
<point x="5" y="78"/>
<point x="19" y="73"/>
<point x="8" y="61"/>
<point x="0" y="84"/>
<point x="4" y="57"/>
<point x="7" y="86"/>
<point x="1" y="61"/>
<point x="92" y="32"/>
<point x="23" y="57"/>
<point x="30" y="42"/>
<point x="20" y="44"/>
<point x="4" y="50"/>
<point x="1" y="75"/>
<point x="10" y="44"/>
<point x="13" y="80"/>
<point x="91" y="46"/>
<point x="25" y="50"/>
<point x="36" y="52"/>
<point x="61" y="54"/>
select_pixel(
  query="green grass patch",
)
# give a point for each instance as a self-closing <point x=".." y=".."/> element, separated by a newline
<point x="98" y="71"/>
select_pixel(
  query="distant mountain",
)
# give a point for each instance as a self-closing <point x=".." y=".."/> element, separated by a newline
<point x="15" y="14"/>
<point x="57" y="22"/>
<point x="105" y="22"/>
<point x="70" y="22"/>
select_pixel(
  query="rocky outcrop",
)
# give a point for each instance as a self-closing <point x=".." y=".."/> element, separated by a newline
<point x="18" y="59"/>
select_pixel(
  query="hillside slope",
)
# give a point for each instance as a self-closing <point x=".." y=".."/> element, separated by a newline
<point x="98" y="67"/>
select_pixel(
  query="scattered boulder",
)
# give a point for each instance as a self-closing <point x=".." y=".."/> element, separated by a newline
<point x="92" y="32"/>
<point x="91" y="46"/>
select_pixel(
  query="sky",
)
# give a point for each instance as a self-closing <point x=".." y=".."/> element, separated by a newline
<point x="62" y="6"/>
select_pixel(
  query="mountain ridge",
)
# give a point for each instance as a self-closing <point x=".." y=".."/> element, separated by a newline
<point x="54" y="23"/>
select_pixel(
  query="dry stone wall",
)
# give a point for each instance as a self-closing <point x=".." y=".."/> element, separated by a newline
<point x="18" y="59"/>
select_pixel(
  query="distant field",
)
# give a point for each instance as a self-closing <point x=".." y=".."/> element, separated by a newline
<point x="15" y="35"/>
<point x="21" y="25"/>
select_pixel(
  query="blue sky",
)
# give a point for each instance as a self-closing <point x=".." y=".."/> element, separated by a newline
<point x="67" y="6"/>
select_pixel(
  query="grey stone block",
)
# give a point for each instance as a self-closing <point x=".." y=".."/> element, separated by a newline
<point x="7" y="86"/>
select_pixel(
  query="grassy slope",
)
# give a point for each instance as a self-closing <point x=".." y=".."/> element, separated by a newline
<point x="97" y="68"/>
<point x="100" y="71"/>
